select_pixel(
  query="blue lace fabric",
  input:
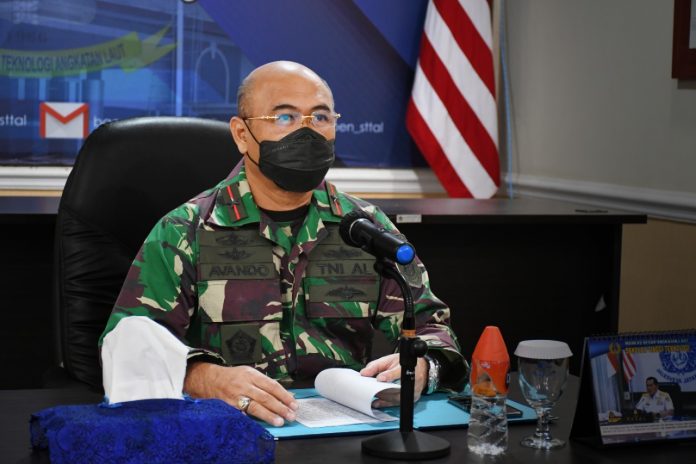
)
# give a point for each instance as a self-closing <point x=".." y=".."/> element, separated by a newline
<point x="151" y="431"/>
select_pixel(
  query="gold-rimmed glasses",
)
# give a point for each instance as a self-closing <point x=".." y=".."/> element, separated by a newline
<point x="320" y="120"/>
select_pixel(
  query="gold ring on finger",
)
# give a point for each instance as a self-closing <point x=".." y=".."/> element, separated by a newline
<point x="243" y="403"/>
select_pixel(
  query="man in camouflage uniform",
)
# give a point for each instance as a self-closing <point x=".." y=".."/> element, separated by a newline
<point x="253" y="276"/>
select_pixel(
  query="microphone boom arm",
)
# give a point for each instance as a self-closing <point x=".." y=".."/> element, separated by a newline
<point x="405" y="443"/>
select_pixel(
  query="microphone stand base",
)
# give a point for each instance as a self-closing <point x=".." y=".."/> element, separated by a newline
<point x="410" y="446"/>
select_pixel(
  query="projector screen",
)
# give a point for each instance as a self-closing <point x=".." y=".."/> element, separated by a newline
<point x="67" y="66"/>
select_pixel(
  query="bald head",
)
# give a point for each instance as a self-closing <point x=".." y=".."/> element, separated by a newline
<point x="281" y="88"/>
<point x="275" y="73"/>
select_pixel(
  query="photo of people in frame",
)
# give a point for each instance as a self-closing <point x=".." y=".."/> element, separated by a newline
<point x="644" y="386"/>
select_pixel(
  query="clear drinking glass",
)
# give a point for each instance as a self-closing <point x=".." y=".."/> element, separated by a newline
<point x="543" y="371"/>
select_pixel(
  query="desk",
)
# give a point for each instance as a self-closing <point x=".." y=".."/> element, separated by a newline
<point x="17" y="405"/>
<point x="536" y="268"/>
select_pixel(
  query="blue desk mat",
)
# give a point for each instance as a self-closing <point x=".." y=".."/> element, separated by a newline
<point x="430" y="412"/>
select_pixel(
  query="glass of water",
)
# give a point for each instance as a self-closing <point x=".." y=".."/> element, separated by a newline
<point x="543" y="371"/>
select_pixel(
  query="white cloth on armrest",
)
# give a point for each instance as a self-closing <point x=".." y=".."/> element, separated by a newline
<point x="142" y="360"/>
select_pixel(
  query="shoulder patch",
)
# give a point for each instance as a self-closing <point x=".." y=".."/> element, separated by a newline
<point x="411" y="272"/>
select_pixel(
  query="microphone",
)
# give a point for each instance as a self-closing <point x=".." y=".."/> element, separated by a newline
<point x="358" y="230"/>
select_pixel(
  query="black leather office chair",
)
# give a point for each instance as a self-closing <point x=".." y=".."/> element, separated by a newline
<point x="128" y="174"/>
<point x="674" y="391"/>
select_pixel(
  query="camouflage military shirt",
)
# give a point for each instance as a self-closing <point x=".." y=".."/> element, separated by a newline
<point x="288" y="299"/>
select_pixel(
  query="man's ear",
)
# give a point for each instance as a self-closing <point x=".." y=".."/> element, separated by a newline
<point x="239" y="134"/>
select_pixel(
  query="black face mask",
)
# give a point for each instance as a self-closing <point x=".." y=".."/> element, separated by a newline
<point x="298" y="162"/>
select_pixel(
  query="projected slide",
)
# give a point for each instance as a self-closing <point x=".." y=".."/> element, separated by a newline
<point x="68" y="66"/>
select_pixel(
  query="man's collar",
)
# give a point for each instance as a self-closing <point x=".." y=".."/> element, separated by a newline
<point x="235" y="206"/>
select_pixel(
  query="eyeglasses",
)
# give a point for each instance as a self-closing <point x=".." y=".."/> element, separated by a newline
<point x="319" y="119"/>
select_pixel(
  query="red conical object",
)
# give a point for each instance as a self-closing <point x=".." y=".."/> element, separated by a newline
<point x="490" y="364"/>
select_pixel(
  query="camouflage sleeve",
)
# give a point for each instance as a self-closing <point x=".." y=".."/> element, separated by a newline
<point x="161" y="282"/>
<point x="432" y="320"/>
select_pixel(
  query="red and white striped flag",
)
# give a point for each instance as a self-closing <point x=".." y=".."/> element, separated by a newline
<point x="629" y="366"/>
<point x="452" y="115"/>
<point x="612" y="364"/>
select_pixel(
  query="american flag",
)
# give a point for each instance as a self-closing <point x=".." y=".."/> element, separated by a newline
<point x="452" y="114"/>
<point x="629" y="365"/>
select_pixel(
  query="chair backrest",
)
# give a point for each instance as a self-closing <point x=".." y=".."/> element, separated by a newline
<point x="128" y="174"/>
<point x="674" y="391"/>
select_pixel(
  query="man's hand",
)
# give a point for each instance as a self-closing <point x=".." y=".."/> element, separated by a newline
<point x="270" y="402"/>
<point x="388" y="369"/>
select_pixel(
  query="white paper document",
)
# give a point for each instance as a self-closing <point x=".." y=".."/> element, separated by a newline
<point x="346" y="399"/>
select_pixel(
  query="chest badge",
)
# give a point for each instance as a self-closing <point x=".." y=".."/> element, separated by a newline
<point x="347" y="293"/>
<point x="241" y="343"/>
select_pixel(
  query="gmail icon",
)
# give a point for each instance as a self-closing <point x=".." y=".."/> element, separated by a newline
<point x="63" y="120"/>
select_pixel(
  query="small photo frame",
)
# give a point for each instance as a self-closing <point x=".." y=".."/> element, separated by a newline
<point x="684" y="40"/>
<point x="642" y="388"/>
